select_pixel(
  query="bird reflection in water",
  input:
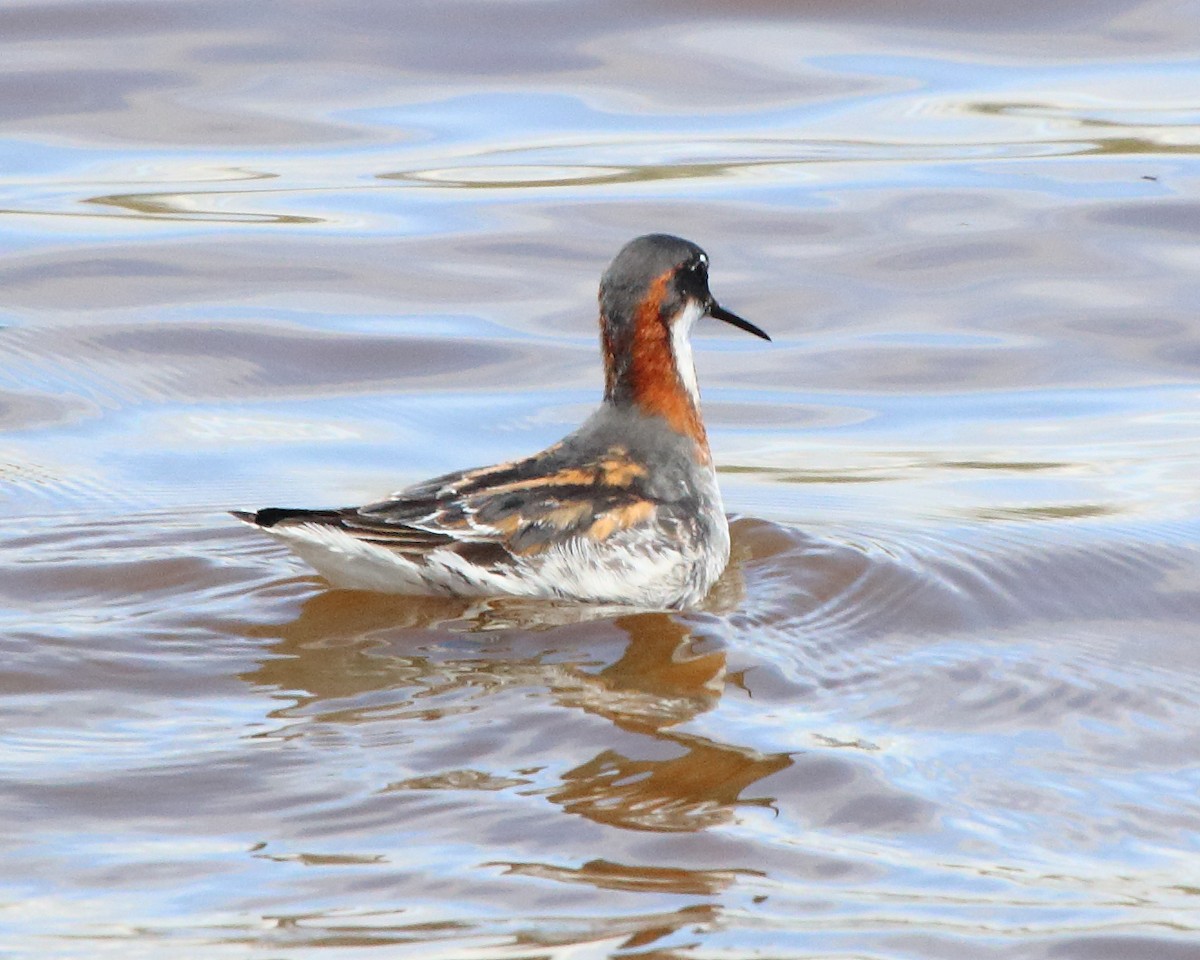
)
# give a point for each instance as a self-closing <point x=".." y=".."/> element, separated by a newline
<point x="354" y="658"/>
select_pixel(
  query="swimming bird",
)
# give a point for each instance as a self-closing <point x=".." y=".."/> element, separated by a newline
<point x="625" y="510"/>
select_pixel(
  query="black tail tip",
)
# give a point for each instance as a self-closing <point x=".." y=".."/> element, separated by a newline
<point x="269" y="516"/>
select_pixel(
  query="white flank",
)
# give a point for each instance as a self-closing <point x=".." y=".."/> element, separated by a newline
<point x="631" y="569"/>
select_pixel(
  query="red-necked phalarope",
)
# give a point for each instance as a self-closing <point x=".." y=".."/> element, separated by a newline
<point x="625" y="510"/>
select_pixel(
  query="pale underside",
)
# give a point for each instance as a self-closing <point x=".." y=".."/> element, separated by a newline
<point x="634" y="567"/>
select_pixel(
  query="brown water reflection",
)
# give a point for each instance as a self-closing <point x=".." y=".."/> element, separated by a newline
<point x="345" y="650"/>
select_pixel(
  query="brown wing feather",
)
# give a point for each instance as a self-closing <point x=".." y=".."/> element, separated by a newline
<point x="493" y="514"/>
<point x="523" y="507"/>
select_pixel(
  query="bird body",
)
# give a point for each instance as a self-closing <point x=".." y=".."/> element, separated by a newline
<point x="624" y="510"/>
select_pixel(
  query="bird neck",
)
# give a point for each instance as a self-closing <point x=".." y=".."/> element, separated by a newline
<point x="653" y="370"/>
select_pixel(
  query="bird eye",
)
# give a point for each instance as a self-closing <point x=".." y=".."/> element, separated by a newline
<point x="693" y="278"/>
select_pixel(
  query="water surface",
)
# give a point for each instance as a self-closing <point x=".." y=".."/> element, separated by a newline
<point x="943" y="704"/>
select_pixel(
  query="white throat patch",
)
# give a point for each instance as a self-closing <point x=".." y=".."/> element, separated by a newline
<point x="681" y="347"/>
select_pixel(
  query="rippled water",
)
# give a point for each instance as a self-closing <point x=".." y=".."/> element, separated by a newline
<point x="944" y="704"/>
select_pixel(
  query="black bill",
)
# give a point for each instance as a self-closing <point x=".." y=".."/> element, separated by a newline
<point x="718" y="311"/>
